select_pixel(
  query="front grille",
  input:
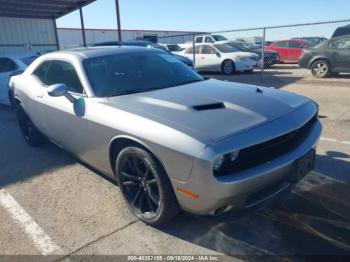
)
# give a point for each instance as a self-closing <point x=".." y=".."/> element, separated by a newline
<point x="267" y="151"/>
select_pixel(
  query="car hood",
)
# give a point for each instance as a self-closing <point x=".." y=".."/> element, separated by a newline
<point x="241" y="54"/>
<point x="268" y="52"/>
<point x="210" y="110"/>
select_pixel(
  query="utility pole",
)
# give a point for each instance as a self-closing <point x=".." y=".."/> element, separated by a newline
<point x="118" y="19"/>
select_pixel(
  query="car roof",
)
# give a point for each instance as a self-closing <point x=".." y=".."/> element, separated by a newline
<point x="90" y="52"/>
<point x="120" y="43"/>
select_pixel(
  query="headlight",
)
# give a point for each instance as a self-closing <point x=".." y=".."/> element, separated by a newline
<point x="233" y="156"/>
<point x="218" y="162"/>
<point x="222" y="159"/>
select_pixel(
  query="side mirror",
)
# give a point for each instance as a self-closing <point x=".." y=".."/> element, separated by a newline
<point x="218" y="54"/>
<point x="58" y="90"/>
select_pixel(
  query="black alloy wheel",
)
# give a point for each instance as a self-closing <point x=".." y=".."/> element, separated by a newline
<point x="145" y="186"/>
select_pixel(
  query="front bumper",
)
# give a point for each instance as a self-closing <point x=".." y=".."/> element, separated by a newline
<point x="244" y="65"/>
<point x="243" y="189"/>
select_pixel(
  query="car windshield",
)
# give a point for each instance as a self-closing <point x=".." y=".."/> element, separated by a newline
<point x="121" y="74"/>
<point x="249" y="46"/>
<point x="315" y="41"/>
<point x="174" y="48"/>
<point x="223" y="48"/>
<point x="28" y="60"/>
<point x="219" y="38"/>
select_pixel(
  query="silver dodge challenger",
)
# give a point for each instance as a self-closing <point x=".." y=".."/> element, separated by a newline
<point x="170" y="138"/>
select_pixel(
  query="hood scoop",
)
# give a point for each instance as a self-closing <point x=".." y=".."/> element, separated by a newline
<point x="209" y="106"/>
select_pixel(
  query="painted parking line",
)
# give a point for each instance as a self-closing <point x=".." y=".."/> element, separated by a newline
<point x="40" y="239"/>
<point x="344" y="142"/>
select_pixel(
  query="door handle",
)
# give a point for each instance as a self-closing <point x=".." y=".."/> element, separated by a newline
<point x="40" y="96"/>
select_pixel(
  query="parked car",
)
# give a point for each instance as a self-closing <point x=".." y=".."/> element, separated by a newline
<point x="270" y="57"/>
<point x="172" y="48"/>
<point x="313" y="40"/>
<point x="205" y="39"/>
<point x="201" y="39"/>
<point x="10" y="65"/>
<point x="223" y="58"/>
<point x="342" y="30"/>
<point x="170" y="138"/>
<point x="150" y="44"/>
<point x="289" y="50"/>
<point x="332" y="56"/>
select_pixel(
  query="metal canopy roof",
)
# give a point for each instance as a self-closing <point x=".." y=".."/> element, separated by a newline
<point x="45" y="9"/>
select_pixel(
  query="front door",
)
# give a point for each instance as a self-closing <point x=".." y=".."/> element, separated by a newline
<point x="340" y="52"/>
<point x="209" y="58"/>
<point x="62" y="121"/>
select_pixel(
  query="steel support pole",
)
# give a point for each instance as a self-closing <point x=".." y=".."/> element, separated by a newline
<point x="263" y="55"/>
<point x="194" y="50"/>
<point x="118" y="20"/>
<point x="56" y="34"/>
<point x="82" y="26"/>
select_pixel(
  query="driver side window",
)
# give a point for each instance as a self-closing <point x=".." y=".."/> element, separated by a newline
<point x="207" y="50"/>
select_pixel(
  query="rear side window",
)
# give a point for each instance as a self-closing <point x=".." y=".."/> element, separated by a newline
<point x="41" y="71"/>
<point x="190" y="50"/>
<point x="199" y="39"/>
<point x="59" y="72"/>
<point x="7" y="65"/>
<point x="293" y="44"/>
<point x="206" y="49"/>
<point x="281" y="44"/>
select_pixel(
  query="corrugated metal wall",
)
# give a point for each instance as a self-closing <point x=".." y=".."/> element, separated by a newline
<point x="72" y="37"/>
<point x="18" y="35"/>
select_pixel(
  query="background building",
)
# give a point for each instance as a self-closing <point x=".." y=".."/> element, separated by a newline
<point x="72" y="37"/>
<point x="18" y="35"/>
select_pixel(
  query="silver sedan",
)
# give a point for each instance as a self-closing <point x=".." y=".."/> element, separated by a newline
<point x="170" y="138"/>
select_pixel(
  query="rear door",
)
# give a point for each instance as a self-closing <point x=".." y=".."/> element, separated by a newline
<point x="282" y="48"/>
<point x="295" y="49"/>
<point x="340" y="54"/>
<point x="7" y="66"/>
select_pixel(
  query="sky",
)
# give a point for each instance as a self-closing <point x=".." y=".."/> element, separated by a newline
<point x="209" y="15"/>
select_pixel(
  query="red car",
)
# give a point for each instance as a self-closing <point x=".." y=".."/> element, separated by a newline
<point x="289" y="50"/>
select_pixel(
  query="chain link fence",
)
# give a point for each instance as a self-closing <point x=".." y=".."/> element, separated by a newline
<point x="272" y="55"/>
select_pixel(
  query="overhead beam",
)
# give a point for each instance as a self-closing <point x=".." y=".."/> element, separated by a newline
<point x="40" y="8"/>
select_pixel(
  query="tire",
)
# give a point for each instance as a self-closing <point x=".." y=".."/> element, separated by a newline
<point x="228" y="67"/>
<point x="145" y="186"/>
<point x="31" y="134"/>
<point x="321" y="69"/>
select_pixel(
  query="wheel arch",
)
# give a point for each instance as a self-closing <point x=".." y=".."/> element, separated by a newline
<point x="118" y="143"/>
<point x="228" y="59"/>
<point x="317" y="58"/>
